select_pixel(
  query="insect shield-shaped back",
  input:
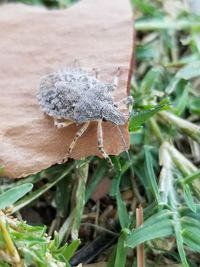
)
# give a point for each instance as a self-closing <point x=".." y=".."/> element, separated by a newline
<point x="75" y="96"/>
<point x="97" y="104"/>
<point x="59" y="93"/>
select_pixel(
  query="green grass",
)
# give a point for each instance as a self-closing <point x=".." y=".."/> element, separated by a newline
<point x="162" y="174"/>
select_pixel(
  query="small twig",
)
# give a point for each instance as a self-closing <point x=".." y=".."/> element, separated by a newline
<point x="140" y="248"/>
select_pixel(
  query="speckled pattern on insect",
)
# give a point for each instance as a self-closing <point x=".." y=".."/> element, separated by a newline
<point x="75" y="96"/>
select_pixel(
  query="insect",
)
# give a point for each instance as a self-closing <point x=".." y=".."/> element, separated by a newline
<point x="73" y="95"/>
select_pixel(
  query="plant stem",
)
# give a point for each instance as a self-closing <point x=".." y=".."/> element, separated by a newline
<point x="190" y="178"/>
<point x="170" y="198"/>
<point x="155" y="128"/>
<point x="185" y="126"/>
<point x="82" y="175"/>
<point x="167" y="24"/>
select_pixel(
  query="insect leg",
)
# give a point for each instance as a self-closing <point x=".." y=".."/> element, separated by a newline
<point x="76" y="63"/>
<point x="95" y="72"/>
<point x="128" y="101"/>
<point x="76" y="137"/>
<point x="62" y="124"/>
<point x="100" y="143"/>
<point x="116" y="79"/>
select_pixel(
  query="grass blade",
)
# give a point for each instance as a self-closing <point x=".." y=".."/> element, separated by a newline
<point x="137" y="119"/>
<point x="157" y="226"/>
<point x="122" y="211"/>
<point x="151" y="174"/>
<point x="9" y="197"/>
<point x="82" y="173"/>
<point x="34" y="195"/>
<point x="121" y="253"/>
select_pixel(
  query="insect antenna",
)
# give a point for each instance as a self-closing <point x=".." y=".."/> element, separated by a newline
<point x="125" y="147"/>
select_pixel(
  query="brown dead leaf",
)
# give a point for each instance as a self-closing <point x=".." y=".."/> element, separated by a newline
<point x="36" y="41"/>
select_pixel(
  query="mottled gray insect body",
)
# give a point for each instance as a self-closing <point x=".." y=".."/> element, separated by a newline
<point x="77" y="96"/>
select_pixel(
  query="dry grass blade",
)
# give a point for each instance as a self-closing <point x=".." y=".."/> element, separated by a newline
<point x="140" y="248"/>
